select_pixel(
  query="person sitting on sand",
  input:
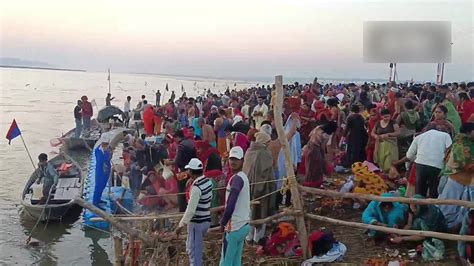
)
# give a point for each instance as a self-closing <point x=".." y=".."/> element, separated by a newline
<point x="423" y="218"/>
<point x="388" y="214"/>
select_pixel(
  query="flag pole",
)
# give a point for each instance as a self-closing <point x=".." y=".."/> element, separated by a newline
<point x="109" y="80"/>
<point x="28" y="151"/>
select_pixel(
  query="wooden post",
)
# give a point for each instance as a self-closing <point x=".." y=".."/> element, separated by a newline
<point x="290" y="173"/>
<point x="337" y="194"/>
<point x="118" y="248"/>
<point x="120" y="226"/>
<point x="389" y="230"/>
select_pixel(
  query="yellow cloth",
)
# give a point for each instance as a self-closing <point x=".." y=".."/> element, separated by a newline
<point x="367" y="182"/>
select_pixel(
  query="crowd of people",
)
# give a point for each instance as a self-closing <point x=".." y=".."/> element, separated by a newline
<point x="211" y="150"/>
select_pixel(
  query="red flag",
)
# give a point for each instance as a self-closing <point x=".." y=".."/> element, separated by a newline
<point x="13" y="132"/>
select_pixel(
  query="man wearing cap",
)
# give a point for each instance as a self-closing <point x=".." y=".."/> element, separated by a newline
<point x="103" y="155"/>
<point x="236" y="217"/>
<point x="197" y="216"/>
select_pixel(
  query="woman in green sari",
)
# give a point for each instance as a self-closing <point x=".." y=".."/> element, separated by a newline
<point x="457" y="177"/>
<point x="453" y="116"/>
<point x="409" y="121"/>
<point x="422" y="218"/>
<point x="385" y="133"/>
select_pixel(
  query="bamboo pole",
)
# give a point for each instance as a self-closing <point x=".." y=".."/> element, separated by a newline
<point x="114" y="222"/>
<point x="336" y="194"/>
<point x="118" y="248"/>
<point x="393" y="230"/>
<point x="277" y="100"/>
<point x="275" y="217"/>
<point x="157" y="217"/>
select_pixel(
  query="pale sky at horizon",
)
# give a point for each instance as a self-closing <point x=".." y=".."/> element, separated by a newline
<point x="216" y="38"/>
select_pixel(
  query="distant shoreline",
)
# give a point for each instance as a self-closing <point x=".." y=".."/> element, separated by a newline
<point x="42" y="68"/>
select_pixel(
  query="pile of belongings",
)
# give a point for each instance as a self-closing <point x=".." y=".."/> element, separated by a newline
<point x="283" y="241"/>
<point x="64" y="168"/>
<point x="324" y="248"/>
<point x="369" y="179"/>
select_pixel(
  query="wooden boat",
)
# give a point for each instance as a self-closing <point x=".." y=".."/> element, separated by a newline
<point x="70" y="185"/>
<point x="70" y="142"/>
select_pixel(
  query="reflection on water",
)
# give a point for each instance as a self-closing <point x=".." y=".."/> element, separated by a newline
<point x="98" y="255"/>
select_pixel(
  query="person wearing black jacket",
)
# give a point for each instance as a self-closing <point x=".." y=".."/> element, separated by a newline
<point x="78" y="119"/>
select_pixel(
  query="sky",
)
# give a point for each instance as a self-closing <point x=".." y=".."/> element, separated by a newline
<point x="224" y="38"/>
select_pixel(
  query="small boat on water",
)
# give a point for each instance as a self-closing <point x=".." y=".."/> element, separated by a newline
<point x="70" y="142"/>
<point x="70" y="185"/>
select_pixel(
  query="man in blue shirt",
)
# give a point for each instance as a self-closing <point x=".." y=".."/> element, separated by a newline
<point x="103" y="155"/>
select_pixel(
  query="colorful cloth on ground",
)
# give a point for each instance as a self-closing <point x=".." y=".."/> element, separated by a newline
<point x="368" y="182"/>
<point x="336" y="253"/>
<point x="282" y="240"/>
<point x="433" y="250"/>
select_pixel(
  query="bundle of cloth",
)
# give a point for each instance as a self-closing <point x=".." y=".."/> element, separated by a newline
<point x="369" y="179"/>
<point x="324" y="248"/>
<point x="283" y="241"/>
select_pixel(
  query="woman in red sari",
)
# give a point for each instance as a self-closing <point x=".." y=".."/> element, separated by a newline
<point x="307" y="122"/>
<point x="148" y="124"/>
<point x="373" y="119"/>
<point x="465" y="107"/>
<point x="156" y="190"/>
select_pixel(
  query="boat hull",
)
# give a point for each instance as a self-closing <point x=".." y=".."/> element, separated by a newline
<point x="54" y="212"/>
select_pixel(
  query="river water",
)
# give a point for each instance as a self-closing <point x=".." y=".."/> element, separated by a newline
<point x="42" y="102"/>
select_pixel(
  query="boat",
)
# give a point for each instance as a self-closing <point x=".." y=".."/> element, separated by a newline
<point x="110" y="117"/>
<point x="70" y="142"/>
<point x="70" y="185"/>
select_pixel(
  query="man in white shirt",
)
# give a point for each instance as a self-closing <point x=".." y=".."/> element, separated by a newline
<point x="236" y="217"/>
<point x="197" y="216"/>
<point x="427" y="150"/>
<point x="246" y="110"/>
<point x="126" y="111"/>
<point x="259" y="112"/>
